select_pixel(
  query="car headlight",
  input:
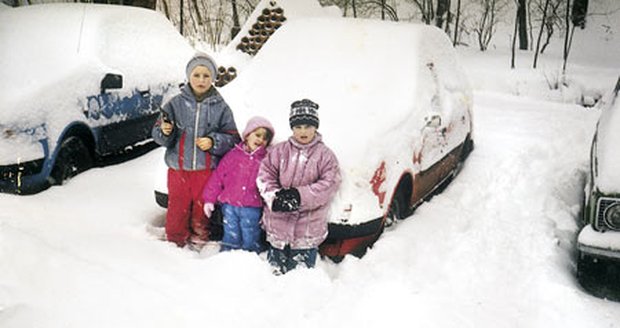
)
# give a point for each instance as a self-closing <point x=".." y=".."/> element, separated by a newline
<point x="612" y="216"/>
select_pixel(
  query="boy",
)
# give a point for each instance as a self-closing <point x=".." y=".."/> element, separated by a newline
<point x="197" y="128"/>
<point x="297" y="180"/>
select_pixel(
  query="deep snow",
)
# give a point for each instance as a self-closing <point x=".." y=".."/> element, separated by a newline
<point x="495" y="249"/>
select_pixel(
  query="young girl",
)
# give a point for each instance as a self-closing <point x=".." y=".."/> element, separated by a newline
<point x="197" y="128"/>
<point x="233" y="184"/>
<point x="297" y="180"/>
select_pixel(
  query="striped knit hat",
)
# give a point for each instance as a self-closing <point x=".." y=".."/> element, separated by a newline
<point x="304" y="111"/>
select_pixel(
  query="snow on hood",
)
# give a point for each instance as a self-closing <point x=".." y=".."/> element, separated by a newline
<point x="369" y="77"/>
<point x="292" y="11"/>
<point x="608" y="145"/>
<point x="53" y="54"/>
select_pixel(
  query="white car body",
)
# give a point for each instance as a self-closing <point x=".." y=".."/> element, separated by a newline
<point x="395" y="107"/>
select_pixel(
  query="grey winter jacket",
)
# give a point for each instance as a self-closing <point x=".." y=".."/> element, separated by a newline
<point x="193" y="119"/>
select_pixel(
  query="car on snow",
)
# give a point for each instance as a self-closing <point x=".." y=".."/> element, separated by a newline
<point x="598" y="241"/>
<point x="395" y="107"/>
<point x="80" y="82"/>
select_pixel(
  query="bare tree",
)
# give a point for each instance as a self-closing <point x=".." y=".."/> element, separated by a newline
<point x="542" y="26"/>
<point x="443" y="10"/>
<point x="577" y="18"/>
<point x="485" y="27"/>
<point x="456" y="24"/>
<point x="235" y="18"/>
<point x="522" y="24"/>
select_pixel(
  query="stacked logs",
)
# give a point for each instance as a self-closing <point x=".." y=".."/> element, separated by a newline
<point x="225" y="75"/>
<point x="266" y="24"/>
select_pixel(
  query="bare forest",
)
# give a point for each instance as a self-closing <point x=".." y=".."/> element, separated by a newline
<point x="531" y="24"/>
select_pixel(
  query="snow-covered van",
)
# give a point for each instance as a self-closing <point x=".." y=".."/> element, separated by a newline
<point x="79" y="82"/>
<point x="395" y="106"/>
<point x="599" y="239"/>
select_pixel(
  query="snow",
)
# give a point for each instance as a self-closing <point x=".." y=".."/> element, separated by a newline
<point x="47" y="66"/>
<point x="608" y="139"/>
<point x="495" y="249"/>
<point x="340" y="63"/>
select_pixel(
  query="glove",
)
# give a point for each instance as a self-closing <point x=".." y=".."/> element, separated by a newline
<point x="208" y="209"/>
<point x="287" y="200"/>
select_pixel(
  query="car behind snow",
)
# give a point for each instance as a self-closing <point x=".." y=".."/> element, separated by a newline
<point x="599" y="239"/>
<point x="395" y="107"/>
<point x="79" y="82"/>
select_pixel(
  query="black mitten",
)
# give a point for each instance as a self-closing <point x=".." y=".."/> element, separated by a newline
<point x="287" y="200"/>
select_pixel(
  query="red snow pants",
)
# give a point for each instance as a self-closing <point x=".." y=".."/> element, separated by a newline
<point x="185" y="216"/>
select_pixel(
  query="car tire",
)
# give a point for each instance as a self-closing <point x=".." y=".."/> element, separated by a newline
<point x="397" y="210"/>
<point x="73" y="158"/>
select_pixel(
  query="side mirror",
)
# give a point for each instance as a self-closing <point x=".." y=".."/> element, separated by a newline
<point x="433" y="121"/>
<point x="111" y="81"/>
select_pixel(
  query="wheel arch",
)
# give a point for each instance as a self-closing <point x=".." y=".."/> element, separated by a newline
<point x="404" y="187"/>
<point x="75" y="129"/>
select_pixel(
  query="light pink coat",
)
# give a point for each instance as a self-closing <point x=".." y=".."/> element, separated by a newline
<point x="313" y="169"/>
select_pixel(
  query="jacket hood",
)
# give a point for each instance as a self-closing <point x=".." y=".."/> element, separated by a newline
<point x="258" y="122"/>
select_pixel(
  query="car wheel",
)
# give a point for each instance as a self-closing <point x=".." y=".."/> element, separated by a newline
<point x="397" y="210"/>
<point x="72" y="159"/>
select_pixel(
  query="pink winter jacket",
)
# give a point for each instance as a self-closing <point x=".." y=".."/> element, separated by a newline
<point x="312" y="169"/>
<point x="234" y="180"/>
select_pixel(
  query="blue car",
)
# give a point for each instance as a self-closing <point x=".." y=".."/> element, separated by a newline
<point x="80" y="82"/>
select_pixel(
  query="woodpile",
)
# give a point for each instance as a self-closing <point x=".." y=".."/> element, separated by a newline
<point x="266" y="24"/>
<point x="225" y="75"/>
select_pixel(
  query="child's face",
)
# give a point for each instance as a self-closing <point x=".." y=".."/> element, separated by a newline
<point x="200" y="80"/>
<point x="257" y="138"/>
<point x="304" y="133"/>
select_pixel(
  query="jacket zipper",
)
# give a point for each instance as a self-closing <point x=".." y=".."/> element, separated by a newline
<point x="195" y="135"/>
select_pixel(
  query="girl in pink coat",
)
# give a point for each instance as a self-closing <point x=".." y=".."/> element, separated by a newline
<point x="297" y="180"/>
<point x="233" y="184"/>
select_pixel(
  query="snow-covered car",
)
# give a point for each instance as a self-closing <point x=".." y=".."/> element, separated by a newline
<point x="598" y="242"/>
<point x="395" y="106"/>
<point x="80" y="82"/>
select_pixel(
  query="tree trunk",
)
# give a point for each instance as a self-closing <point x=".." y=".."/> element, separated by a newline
<point x="181" y="18"/>
<point x="514" y="41"/>
<point x="443" y="7"/>
<point x="382" y="9"/>
<point x="522" y="24"/>
<point x="456" y="24"/>
<point x="236" y="25"/>
<point x="566" y="37"/>
<point x="448" y="18"/>
<point x="542" y="26"/>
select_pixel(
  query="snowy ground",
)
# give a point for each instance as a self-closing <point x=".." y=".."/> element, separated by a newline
<point x="495" y="249"/>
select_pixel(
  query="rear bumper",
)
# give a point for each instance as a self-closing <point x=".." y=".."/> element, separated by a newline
<point x="351" y="239"/>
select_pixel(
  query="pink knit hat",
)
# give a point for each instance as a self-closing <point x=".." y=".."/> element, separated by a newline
<point x="258" y="122"/>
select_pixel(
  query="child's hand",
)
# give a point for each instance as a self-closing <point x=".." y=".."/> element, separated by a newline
<point x="205" y="143"/>
<point x="208" y="209"/>
<point x="166" y="128"/>
<point x="287" y="200"/>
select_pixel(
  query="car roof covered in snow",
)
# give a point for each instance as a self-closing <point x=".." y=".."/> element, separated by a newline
<point x="373" y="80"/>
<point x="48" y="43"/>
